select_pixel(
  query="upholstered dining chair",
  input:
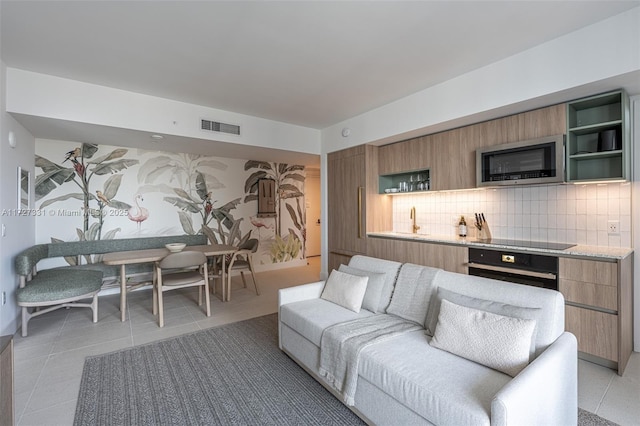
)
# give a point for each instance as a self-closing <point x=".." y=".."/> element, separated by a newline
<point x="180" y="270"/>
<point x="241" y="261"/>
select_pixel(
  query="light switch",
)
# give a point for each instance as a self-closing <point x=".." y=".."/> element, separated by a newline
<point x="4" y="230"/>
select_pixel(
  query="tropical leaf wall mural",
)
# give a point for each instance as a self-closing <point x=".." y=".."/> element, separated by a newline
<point x="289" y="187"/>
<point x="77" y="175"/>
<point x="102" y="192"/>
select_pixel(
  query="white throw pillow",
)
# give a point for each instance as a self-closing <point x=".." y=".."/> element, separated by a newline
<point x="375" y="285"/>
<point x="483" y="305"/>
<point x="345" y="290"/>
<point x="496" y="341"/>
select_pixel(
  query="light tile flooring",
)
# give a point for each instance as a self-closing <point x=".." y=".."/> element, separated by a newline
<point x="49" y="361"/>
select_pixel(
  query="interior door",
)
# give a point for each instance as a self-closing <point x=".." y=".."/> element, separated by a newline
<point x="312" y="199"/>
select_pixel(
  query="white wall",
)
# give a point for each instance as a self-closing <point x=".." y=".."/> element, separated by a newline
<point x="20" y="230"/>
<point x="604" y="50"/>
<point x="60" y="98"/>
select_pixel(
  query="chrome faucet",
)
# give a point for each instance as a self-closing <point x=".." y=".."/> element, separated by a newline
<point x="414" y="227"/>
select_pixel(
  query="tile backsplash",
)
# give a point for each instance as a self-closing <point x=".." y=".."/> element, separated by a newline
<point x="569" y="213"/>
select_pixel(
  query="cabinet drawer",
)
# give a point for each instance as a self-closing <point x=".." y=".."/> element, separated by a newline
<point x="589" y="271"/>
<point x="597" y="332"/>
<point x="591" y="294"/>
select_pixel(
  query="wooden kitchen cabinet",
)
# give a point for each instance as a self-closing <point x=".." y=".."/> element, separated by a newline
<point x="6" y="381"/>
<point x="599" y="308"/>
<point x="354" y="205"/>
<point x="450" y="156"/>
<point x="448" y="257"/>
<point x="401" y="157"/>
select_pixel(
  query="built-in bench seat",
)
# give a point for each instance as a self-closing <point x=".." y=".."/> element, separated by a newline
<point x="62" y="287"/>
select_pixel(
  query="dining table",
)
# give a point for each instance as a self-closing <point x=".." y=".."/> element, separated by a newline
<point x="132" y="257"/>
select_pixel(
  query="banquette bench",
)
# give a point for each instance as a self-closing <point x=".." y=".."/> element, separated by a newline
<point x="60" y="287"/>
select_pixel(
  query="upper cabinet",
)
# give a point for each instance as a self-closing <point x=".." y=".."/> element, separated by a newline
<point x="598" y="138"/>
<point x="450" y="156"/>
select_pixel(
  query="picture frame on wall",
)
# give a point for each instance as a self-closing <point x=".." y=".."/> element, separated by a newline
<point x="24" y="189"/>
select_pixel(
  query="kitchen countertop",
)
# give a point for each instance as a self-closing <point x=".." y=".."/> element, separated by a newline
<point x="598" y="252"/>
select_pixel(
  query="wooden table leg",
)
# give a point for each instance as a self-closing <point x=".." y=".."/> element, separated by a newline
<point x="123" y="293"/>
<point x="223" y="278"/>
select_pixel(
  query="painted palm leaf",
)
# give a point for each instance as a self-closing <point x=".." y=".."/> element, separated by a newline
<point x="116" y="153"/>
<point x="114" y="166"/>
<point x="88" y="149"/>
<point x="201" y="186"/>
<point x="183" y="204"/>
<point x="257" y="165"/>
<point x="186" y="222"/>
<point x="111" y="186"/>
<point x="62" y="198"/>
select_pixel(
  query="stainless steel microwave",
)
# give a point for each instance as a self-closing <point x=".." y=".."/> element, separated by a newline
<point x="526" y="162"/>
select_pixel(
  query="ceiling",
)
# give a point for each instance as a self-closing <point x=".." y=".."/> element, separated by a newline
<point x="312" y="63"/>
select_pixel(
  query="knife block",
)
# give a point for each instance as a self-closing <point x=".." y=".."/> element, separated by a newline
<point x="484" y="234"/>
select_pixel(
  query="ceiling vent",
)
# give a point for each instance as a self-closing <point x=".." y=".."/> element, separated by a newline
<point x="215" y="126"/>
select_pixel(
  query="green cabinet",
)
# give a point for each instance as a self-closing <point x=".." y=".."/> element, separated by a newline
<point x="403" y="183"/>
<point x="597" y="147"/>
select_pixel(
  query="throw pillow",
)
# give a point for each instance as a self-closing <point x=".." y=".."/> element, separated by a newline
<point x="482" y="304"/>
<point x="345" y="290"/>
<point x="496" y="341"/>
<point x="412" y="293"/>
<point x="374" y="286"/>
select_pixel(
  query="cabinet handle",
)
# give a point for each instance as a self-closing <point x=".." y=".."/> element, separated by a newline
<point x="359" y="212"/>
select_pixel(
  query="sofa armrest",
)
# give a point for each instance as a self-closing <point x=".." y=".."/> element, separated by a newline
<point x="545" y="392"/>
<point x="300" y="292"/>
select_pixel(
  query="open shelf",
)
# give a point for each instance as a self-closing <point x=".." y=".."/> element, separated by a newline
<point x="597" y="138"/>
<point x="416" y="181"/>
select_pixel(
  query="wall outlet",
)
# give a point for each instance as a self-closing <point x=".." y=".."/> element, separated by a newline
<point x="613" y="227"/>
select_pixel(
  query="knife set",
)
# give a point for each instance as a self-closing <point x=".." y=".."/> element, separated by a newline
<point x="484" y="234"/>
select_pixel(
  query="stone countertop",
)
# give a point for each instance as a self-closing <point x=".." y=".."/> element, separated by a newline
<point x="596" y="252"/>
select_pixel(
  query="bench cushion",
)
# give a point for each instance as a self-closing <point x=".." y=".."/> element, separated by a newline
<point x="56" y="285"/>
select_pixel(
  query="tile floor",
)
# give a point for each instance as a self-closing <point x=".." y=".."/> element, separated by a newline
<point x="49" y="362"/>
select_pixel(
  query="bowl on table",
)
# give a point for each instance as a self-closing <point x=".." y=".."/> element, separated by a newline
<point x="175" y="247"/>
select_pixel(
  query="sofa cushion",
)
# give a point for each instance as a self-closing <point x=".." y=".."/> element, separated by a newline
<point x="345" y="290"/>
<point x="388" y="267"/>
<point x="375" y="285"/>
<point x="482" y="304"/>
<point x="497" y="341"/>
<point x="412" y="292"/>
<point x="441" y="387"/>
<point x="311" y="317"/>
<point x="550" y="324"/>
<point x="56" y="285"/>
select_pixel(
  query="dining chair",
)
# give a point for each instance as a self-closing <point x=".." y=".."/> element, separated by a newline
<point x="180" y="270"/>
<point x="241" y="261"/>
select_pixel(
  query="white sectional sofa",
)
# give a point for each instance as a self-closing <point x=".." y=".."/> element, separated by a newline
<point x="404" y="379"/>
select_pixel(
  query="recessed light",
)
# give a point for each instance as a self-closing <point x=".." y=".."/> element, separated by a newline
<point x="157" y="137"/>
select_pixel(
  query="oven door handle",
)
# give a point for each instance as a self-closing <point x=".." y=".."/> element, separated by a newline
<point x="547" y="275"/>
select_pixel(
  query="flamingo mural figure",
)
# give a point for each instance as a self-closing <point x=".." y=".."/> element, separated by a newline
<point x="138" y="213"/>
<point x="267" y="223"/>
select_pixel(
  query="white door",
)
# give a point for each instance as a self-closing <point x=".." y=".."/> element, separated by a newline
<point x="312" y="199"/>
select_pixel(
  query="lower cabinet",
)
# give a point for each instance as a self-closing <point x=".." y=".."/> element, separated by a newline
<point x="6" y="381"/>
<point x="448" y="257"/>
<point x="599" y="308"/>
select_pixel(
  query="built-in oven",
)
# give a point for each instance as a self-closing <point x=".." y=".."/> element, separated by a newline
<point x="522" y="268"/>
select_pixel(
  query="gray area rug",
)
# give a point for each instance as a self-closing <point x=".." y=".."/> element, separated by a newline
<point x="228" y="375"/>
<point x="586" y="418"/>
